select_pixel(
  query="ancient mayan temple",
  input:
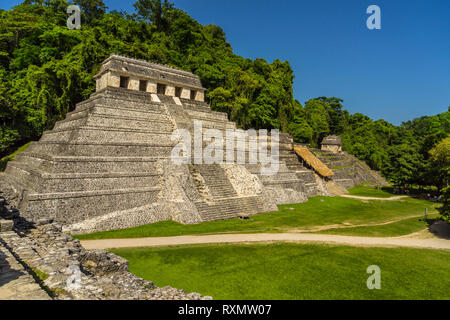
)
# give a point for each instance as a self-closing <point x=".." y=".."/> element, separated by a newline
<point x="108" y="165"/>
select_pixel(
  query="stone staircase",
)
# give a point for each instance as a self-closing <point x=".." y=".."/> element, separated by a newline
<point x="222" y="200"/>
<point x="231" y="208"/>
<point x="216" y="181"/>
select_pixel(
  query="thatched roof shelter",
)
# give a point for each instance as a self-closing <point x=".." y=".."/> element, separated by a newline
<point x="312" y="161"/>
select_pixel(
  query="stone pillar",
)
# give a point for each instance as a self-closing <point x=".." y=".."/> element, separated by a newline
<point x="152" y="87"/>
<point x="102" y="82"/>
<point x="170" y="91"/>
<point x="133" y="84"/>
<point x="177" y="101"/>
<point x="155" y="97"/>
<point x="185" y="93"/>
<point x="113" y="80"/>
<point x="200" y="96"/>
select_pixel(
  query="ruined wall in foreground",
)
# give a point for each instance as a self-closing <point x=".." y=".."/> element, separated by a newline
<point x="42" y="263"/>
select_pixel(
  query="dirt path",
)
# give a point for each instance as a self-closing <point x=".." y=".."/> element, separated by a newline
<point x="288" y="236"/>
<point x="373" y="198"/>
<point x="268" y="237"/>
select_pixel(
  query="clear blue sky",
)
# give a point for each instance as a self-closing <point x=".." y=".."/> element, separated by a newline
<point x="397" y="73"/>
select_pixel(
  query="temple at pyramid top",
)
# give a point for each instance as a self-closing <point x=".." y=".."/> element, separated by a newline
<point x="139" y="75"/>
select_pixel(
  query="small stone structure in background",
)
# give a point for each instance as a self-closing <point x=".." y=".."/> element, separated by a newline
<point x="332" y="143"/>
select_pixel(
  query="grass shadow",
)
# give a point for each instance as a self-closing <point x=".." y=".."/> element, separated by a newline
<point x="439" y="228"/>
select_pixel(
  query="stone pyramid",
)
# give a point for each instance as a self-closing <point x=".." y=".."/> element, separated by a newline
<point x="108" y="164"/>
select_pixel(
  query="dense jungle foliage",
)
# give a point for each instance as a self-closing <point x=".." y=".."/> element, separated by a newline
<point x="45" y="69"/>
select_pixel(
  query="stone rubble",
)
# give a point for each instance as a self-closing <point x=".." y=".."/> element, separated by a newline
<point x="41" y="262"/>
<point x="15" y="282"/>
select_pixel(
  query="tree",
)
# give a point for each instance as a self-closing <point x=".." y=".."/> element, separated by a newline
<point x="92" y="9"/>
<point x="154" y="11"/>
<point x="316" y="112"/>
<point x="337" y="115"/>
<point x="404" y="163"/>
<point x="445" y="209"/>
<point x="440" y="160"/>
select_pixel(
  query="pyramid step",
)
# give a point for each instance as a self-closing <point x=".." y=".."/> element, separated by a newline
<point x="221" y="187"/>
<point x="120" y="122"/>
<point x="290" y="175"/>
<point x="208" y="116"/>
<point x="220" y="194"/>
<point x="88" y="204"/>
<point x="223" y="127"/>
<point x="106" y="135"/>
<point x="67" y="182"/>
<point x="229" y="208"/>
<point x="221" y="190"/>
<point x="124" y="94"/>
<point x="346" y="183"/>
<point x="36" y="162"/>
<point x="71" y="123"/>
<point x="88" y="164"/>
<point x="122" y="102"/>
<point x="100" y="109"/>
<point x="110" y="149"/>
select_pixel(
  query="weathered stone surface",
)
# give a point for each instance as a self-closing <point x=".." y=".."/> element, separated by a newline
<point x="15" y="282"/>
<point x="101" y="262"/>
<point x="332" y="143"/>
<point x="41" y="262"/>
<point x="6" y="225"/>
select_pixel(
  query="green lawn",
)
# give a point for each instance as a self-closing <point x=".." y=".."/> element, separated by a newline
<point x="318" y="211"/>
<point x="395" y="229"/>
<point x="294" y="271"/>
<point x="368" y="191"/>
